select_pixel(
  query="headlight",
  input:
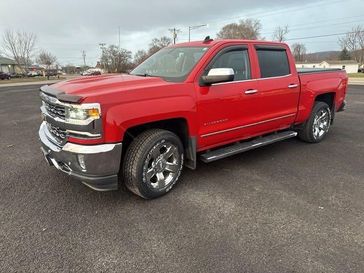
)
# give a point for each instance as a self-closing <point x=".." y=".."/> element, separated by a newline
<point x="82" y="114"/>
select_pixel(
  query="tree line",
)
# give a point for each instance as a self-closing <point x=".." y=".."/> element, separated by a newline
<point x="117" y="60"/>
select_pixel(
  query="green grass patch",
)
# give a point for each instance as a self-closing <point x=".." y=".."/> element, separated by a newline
<point x="356" y="75"/>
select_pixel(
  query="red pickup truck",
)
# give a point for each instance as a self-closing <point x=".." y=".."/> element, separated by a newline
<point x="206" y="100"/>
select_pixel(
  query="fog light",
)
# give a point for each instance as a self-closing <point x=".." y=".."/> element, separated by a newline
<point x="81" y="161"/>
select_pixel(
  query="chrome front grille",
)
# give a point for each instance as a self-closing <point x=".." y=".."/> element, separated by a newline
<point x="59" y="128"/>
<point x="57" y="132"/>
<point x="55" y="110"/>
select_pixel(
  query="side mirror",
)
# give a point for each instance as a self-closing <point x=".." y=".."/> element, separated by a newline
<point x="218" y="75"/>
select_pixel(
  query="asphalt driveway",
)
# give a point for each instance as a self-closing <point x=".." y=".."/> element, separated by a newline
<point x="288" y="207"/>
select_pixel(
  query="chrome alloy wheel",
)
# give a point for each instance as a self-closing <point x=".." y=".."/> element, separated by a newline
<point x="162" y="165"/>
<point x="321" y="123"/>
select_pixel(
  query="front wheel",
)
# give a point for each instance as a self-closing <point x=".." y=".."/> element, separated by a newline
<point x="317" y="126"/>
<point x="153" y="163"/>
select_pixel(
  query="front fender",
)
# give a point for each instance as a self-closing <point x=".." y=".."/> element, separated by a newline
<point x="121" y="117"/>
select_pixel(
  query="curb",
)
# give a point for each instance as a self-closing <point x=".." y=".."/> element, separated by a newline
<point x="356" y="81"/>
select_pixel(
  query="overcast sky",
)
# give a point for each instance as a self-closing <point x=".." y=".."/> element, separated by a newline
<point x="67" y="27"/>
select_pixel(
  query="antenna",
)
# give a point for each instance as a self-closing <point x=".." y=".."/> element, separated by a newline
<point x="207" y="39"/>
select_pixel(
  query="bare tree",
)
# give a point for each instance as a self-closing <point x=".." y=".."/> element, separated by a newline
<point x="20" y="46"/>
<point x="115" y="59"/>
<point x="299" y="51"/>
<point x="344" y="55"/>
<point x="158" y="44"/>
<point x="280" y="33"/>
<point x="354" y="42"/>
<point x="155" y="45"/>
<point x="245" y="29"/>
<point x="139" y="57"/>
<point x="47" y="59"/>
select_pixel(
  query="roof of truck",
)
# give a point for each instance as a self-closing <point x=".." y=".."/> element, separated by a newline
<point x="224" y="41"/>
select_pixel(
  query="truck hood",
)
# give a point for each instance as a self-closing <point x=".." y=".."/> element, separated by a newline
<point x="78" y="89"/>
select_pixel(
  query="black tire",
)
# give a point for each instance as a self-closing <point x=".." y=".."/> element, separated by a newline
<point x="307" y="133"/>
<point x="141" y="158"/>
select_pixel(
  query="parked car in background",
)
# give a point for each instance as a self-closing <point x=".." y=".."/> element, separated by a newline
<point x="91" y="72"/>
<point x="4" y="76"/>
<point x="18" y="75"/>
<point x="207" y="100"/>
<point x="361" y="70"/>
<point x="33" y="74"/>
<point x="51" y="73"/>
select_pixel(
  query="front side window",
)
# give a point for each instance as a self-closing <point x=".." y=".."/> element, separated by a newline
<point x="273" y="62"/>
<point x="238" y="60"/>
<point x="171" y="63"/>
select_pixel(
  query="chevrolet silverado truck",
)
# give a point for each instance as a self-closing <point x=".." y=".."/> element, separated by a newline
<point x="202" y="100"/>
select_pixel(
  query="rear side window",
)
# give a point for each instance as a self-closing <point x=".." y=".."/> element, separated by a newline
<point x="238" y="60"/>
<point x="273" y="62"/>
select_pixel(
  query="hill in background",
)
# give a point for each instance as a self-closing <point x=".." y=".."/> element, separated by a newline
<point x="323" y="56"/>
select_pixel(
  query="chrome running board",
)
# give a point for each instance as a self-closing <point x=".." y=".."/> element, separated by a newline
<point x="241" y="147"/>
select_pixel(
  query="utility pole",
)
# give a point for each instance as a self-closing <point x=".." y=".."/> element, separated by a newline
<point x="84" y="58"/>
<point x="119" y="37"/>
<point x="174" y="32"/>
<point x="102" y="46"/>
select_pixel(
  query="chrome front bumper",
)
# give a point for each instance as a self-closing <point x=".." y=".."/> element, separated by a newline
<point x="97" y="166"/>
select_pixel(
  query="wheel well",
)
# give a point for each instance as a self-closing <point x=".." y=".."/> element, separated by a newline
<point x="177" y="126"/>
<point x="327" y="98"/>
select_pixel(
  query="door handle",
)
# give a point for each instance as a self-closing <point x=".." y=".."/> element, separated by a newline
<point x="293" y="85"/>
<point x="251" y="91"/>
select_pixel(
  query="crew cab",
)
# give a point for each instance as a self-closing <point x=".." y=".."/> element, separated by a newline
<point x="200" y="100"/>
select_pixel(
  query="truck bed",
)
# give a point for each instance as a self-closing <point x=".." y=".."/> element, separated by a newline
<point x="317" y="70"/>
<point x="315" y="82"/>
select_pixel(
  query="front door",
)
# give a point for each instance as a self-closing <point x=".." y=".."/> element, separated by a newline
<point x="225" y="108"/>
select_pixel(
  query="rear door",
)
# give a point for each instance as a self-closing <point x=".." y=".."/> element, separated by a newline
<point x="279" y="87"/>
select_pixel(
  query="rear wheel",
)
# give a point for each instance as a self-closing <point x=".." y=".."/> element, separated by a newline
<point x="153" y="163"/>
<point x="317" y="126"/>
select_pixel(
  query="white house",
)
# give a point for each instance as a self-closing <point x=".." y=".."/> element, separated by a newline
<point x="307" y="64"/>
<point x="350" y="66"/>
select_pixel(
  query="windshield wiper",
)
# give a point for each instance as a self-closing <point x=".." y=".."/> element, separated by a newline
<point x="145" y="75"/>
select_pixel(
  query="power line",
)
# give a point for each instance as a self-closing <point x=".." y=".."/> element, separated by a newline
<point x="322" y="21"/>
<point x="321" y="36"/>
<point x="315" y="27"/>
<point x="264" y="14"/>
<point x="277" y="12"/>
<point x="273" y="13"/>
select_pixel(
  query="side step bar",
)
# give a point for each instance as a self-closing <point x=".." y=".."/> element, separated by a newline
<point x="241" y="147"/>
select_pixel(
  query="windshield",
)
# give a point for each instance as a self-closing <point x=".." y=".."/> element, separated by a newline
<point x="172" y="64"/>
